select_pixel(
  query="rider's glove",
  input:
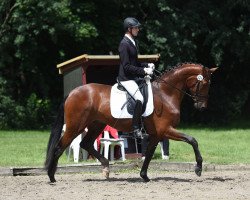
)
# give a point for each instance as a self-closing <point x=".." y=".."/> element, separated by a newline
<point x="148" y="71"/>
<point x="147" y="78"/>
<point x="151" y="65"/>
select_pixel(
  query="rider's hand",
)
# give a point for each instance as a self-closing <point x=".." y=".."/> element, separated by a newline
<point x="147" y="78"/>
<point x="148" y="71"/>
<point x="151" y="65"/>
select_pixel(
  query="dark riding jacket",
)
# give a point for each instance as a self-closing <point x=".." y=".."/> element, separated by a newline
<point x="130" y="68"/>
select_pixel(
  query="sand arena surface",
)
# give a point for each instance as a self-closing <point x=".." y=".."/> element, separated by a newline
<point x="163" y="185"/>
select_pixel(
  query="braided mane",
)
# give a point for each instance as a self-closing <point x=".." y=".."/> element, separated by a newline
<point x="179" y="65"/>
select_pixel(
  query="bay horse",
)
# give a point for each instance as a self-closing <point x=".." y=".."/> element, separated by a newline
<point x="89" y="106"/>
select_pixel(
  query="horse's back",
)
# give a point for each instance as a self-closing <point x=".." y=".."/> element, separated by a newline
<point x="92" y="93"/>
<point x="88" y="103"/>
<point x="90" y="88"/>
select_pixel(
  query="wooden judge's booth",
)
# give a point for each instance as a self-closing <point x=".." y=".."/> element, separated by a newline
<point x="95" y="69"/>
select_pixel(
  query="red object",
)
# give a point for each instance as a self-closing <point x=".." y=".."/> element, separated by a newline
<point x="112" y="132"/>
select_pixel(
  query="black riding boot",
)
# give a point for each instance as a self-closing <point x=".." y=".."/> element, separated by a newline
<point x="136" y="121"/>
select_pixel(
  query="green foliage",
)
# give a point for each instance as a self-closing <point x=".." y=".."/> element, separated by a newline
<point x="11" y="114"/>
<point x="211" y="33"/>
<point x="36" y="35"/>
<point x="34" y="115"/>
<point x="37" y="113"/>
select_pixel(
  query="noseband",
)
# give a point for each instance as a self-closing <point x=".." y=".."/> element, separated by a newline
<point x="196" y="97"/>
<point x="199" y="97"/>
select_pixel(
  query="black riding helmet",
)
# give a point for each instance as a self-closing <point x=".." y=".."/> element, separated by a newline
<point x="130" y="22"/>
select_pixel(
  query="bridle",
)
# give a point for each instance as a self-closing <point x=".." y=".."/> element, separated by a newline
<point x="196" y="97"/>
<point x="199" y="97"/>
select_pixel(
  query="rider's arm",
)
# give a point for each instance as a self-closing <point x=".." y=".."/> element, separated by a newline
<point x="125" y="60"/>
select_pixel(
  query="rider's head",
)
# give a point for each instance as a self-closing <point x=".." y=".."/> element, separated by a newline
<point x="131" y="26"/>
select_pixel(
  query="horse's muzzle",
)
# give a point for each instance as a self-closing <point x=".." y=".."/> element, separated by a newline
<point x="201" y="106"/>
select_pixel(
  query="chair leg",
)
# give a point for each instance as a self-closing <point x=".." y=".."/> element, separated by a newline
<point x="70" y="149"/>
<point x="95" y="145"/>
<point x="112" y="152"/>
<point x="106" y="150"/>
<point x="122" y="151"/>
<point x="106" y="145"/>
<point x="76" y="151"/>
<point x="101" y="148"/>
<point x="96" y="148"/>
<point x="162" y="152"/>
<point x="84" y="154"/>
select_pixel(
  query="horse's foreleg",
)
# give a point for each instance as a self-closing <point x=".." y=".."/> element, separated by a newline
<point x="148" y="156"/>
<point x="175" y="135"/>
<point x="198" y="157"/>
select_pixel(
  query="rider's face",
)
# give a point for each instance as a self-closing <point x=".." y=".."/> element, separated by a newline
<point x="135" y="31"/>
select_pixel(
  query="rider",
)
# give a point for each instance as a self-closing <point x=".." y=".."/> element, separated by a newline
<point x="131" y="70"/>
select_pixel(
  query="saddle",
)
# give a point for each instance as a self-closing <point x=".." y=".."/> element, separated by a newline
<point x="143" y="87"/>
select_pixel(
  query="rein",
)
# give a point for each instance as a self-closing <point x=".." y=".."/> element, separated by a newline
<point x="194" y="97"/>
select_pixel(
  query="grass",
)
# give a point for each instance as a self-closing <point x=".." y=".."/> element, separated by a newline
<point x="24" y="148"/>
<point x="219" y="146"/>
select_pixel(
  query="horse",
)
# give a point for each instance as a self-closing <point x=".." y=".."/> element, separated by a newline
<point x="89" y="106"/>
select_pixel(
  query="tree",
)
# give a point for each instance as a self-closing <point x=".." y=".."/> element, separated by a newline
<point x="36" y="35"/>
<point x="214" y="34"/>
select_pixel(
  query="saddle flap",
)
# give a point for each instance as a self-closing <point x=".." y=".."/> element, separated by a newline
<point x="119" y="106"/>
<point x="143" y="87"/>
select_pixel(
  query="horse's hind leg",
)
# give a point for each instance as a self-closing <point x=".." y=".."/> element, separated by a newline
<point x="53" y="164"/>
<point x="87" y="143"/>
<point x="63" y="143"/>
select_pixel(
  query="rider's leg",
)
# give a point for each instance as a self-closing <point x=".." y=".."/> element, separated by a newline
<point x="136" y="121"/>
<point x="134" y="91"/>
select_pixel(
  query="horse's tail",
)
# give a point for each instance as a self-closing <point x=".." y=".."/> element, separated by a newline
<point x="55" y="135"/>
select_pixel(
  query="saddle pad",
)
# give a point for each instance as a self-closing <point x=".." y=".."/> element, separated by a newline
<point x="118" y="99"/>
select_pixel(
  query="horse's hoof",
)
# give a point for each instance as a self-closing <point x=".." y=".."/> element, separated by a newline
<point x="198" y="170"/>
<point x="105" y="172"/>
<point x="52" y="179"/>
<point x="145" y="177"/>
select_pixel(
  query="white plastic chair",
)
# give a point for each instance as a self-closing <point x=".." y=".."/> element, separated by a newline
<point x="75" y="147"/>
<point x="164" y="157"/>
<point x="107" y="142"/>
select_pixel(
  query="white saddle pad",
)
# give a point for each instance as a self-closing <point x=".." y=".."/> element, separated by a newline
<point x="118" y="99"/>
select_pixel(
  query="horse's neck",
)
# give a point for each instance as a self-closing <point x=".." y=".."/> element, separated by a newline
<point x="174" y="83"/>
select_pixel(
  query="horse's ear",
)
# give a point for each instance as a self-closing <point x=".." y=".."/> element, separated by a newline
<point x="212" y="70"/>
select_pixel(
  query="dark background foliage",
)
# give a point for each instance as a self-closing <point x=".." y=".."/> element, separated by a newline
<point x="36" y="35"/>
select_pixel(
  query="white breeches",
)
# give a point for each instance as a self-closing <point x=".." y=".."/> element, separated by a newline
<point x="133" y="89"/>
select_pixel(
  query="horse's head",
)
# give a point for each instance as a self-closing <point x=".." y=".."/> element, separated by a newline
<point x="198" y="85"/>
